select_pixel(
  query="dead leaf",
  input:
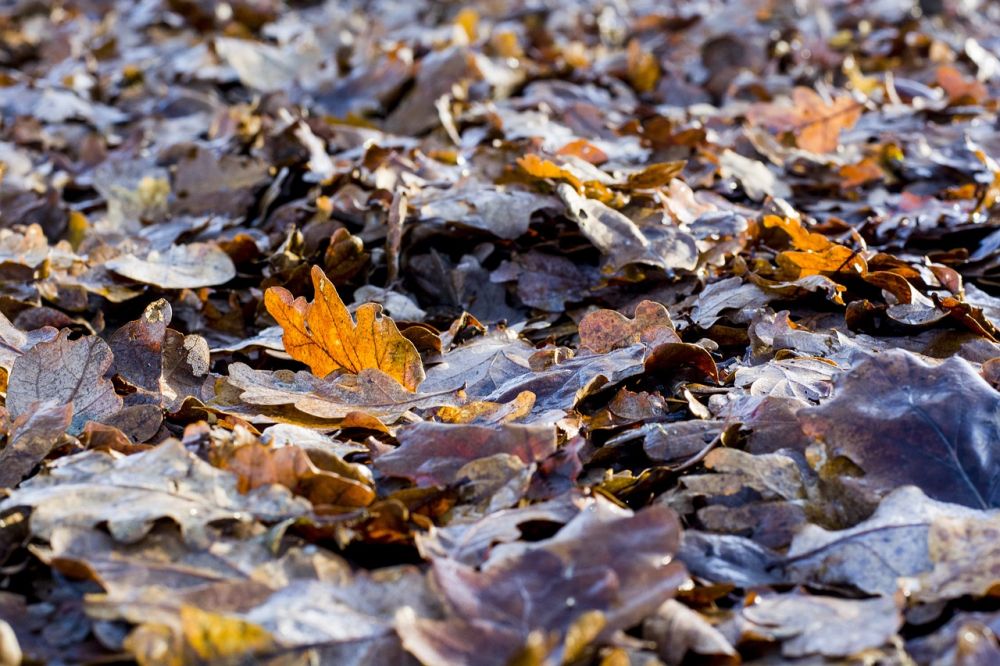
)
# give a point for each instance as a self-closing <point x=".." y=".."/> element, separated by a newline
<point x="130" y="494"/>
<point x="257" y="465"/>
<point x="370" y="391"/>
<point x="181" y="267"/>
<point x="815" y="123"/>
<point x="433" y="453"/>
<point x="604" y="330"/>
<point x="325" y="336"/>
<point x="67" y="372"/>
<point x="817" y="625"/>
<point x="33" y="435"/>
<point x="904" y="420"/>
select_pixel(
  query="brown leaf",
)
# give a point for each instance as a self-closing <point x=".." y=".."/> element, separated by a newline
<point x="905" y="420"/>
<point x="605" y="560"/>
<point x="371" y="391"/>
<point x="257" y="465"/>
<point x="818" y="625"/>
<point x="959" y="89"/>
<point x="138" y="347"/>
<point x="604" y="330"/>
<point x="66" y="371"/>
<point x="181" y="267"/>
<point x="433" y="453"/>
<point x="33" y="435"/>
<point x="131" y="493"/>
<point x="489" y="413"/>
<point x="325" y="336"/>
<point x="816" y="124"/>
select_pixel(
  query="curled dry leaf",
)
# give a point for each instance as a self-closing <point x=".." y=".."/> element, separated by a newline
<point x="486" y="412"/>
<point x="325" y="336"/>
<point x="623" y="242"/>
<point x="602" y="571"/>
<point x="138" y="347"/>
<point x="817" y="625"/>
<point x="33" y="435"/>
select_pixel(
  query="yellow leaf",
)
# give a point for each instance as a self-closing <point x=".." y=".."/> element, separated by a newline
<point x="812" y="253"/>
<point x="77" y="228"/>
<point x="324" y="336"/>
<point x="468" y="21"/>
<point x="214" y="636"/>
<point x="834" y="259"/>
<point x="799" y="237"/>
<point x="643" y="68"/>
<point x="482" y="411"/>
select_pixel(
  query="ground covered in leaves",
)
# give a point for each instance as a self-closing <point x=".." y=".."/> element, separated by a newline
<point x="515" y="332"/>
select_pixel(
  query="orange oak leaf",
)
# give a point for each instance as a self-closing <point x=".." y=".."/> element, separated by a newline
<point x="325" y="336"/>
<point x="815" y="123"/>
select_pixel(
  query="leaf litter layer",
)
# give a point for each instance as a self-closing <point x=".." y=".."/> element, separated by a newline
<point x="506" y="332"/>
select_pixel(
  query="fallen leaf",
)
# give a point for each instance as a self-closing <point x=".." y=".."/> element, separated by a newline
<point x="33" y="436"/>
<point x="904" y="420"/>
<point x="257" y="465"/>
<point x="181" y="267"/>
<point x="624" y="242"/>
<point x="874" y="555"/>
<point x="815" y="123"/>
<point x="604" y="560"/>
<point x="677" y="630"/>
<point x="433" y="453"/>
<point x="325" y="336"/>
<point x="81" y="379"/>
<point x="817" y="625"/>
<point x="605" y="330"/>
<point x="370" y="391"/>
<point x="130" y="494"/>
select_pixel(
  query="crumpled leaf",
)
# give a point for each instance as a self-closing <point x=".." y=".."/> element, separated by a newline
<point x="678" y="630"/>
<point x="806" y="379"/>
<point x="605" y="561"/>
<point x="963" y="557"/>
<point x="480" y="366"/>
<point x="201" y="636"/>
<point x="325" y="336"/>
<point x="33" y="436"/>
<point x="623" y="242"/>
<point x="505" y="213"/>
<point x="257" y="465"/>
<point x="80" y="380"/>
<point x="486" y="412"/>
<point x="874" y="555"/>
<point x="470" y="542"/>
<point x="138" y="347"/>
<point x="130" y="494"/>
